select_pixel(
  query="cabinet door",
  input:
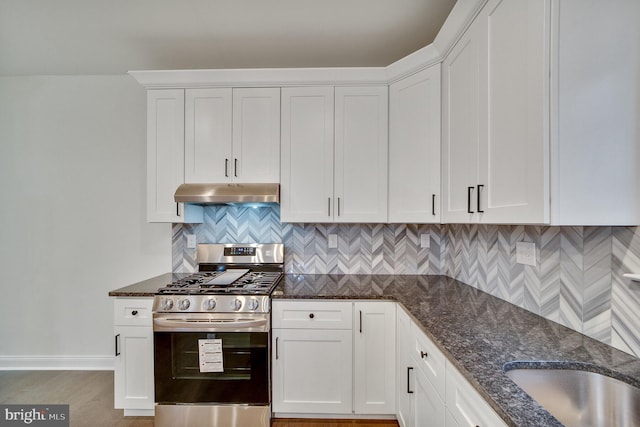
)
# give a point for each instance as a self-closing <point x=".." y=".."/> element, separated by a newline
<point x="361" y="156"/>
<point x="429" y="407"/>
<point x="414" y="148"/>
<point x="207" y="147"/>
<point x="307" y="154"/>
<point x="463" y="73"/>
<point x="405" y="369"/>
<point x="133" y="370"/>
<point x="165" y="153"/>
<point x="428" y="359"/>
<point x="256" y="135"/>
<point x="374" y="357"/>
<point x="466" y="405"/>
<point x="312" y="371"/>
<point x="514" y="156"/>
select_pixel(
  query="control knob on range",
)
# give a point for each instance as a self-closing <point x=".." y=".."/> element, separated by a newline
<point x="166" y="304"/>
<point x="236" y="304"/>
<point x="184" y="304"/>
<point x="253" y="304"/>
<point x="209" y="304"/>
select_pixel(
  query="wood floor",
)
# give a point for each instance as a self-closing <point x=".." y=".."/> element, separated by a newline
<point x="89" y="395"/>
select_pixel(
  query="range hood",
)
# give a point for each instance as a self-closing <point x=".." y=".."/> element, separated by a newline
<point x="227" y="194"/>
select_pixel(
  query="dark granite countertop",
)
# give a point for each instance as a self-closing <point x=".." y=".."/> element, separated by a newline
<point x="479" y="333"/>
<point x="147" y="288"/>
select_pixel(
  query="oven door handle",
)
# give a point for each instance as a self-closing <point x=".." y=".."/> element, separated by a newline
<point x="187" y="325"/>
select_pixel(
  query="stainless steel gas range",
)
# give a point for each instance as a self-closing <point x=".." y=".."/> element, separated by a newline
<point x="212" y="339"/>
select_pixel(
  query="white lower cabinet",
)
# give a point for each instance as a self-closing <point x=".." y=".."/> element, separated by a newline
<point x="420" y="377"/>
<point x="431" y="392"/>
<point x="374" y="338"/>
<point x="429" y="407"/>
<point x="466" y="406"/>
<point x="312" y="370"/>
<point x="133" y="364"/>
<point x="333" y="357"/>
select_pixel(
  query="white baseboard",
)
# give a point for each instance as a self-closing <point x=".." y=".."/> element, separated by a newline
<point x="56" y="363"/>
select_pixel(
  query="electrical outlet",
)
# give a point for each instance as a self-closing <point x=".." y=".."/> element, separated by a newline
<point x="191" y="241"/>
<point x="425" y="240"/>
<point x="526" y="253"/>
<point x="333" y="241"/>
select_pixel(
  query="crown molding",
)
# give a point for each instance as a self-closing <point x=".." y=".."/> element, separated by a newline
<point x="461" y="16"/>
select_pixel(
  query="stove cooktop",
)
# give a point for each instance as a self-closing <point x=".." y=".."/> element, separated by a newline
<point x="230" y="282"/>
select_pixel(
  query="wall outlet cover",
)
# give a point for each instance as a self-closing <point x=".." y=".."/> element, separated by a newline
<point x="333" y="241"/>
<point x="526" y="253"/>
<point x="191" y="241"/>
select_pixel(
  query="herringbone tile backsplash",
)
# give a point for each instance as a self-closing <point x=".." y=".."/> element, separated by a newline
<point x="577" y="280"/>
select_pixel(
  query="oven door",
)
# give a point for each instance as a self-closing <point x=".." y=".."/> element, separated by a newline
<point x="184" y="375"/>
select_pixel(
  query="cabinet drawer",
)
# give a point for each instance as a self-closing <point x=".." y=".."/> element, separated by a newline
<point x="310" y="314"/>
<point x="133" y="311"/>
<point x="429" y="359"/>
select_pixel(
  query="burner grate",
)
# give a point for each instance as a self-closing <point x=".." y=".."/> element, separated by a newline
<point x="253" y="282"/>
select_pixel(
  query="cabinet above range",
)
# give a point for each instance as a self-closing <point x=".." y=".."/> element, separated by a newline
<point x="220" y="135"/>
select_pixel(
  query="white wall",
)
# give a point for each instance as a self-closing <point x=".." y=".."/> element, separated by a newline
<point x="72" y="215"/>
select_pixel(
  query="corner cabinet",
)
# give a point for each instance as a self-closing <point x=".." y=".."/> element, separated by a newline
<point x="414" y="148"/>
<point x="334" y="154"/>
<point x="535" y="126"/>
<point x="333" y="358"/>
<point x="495" y="135"/>
<point x="133" y="364"/>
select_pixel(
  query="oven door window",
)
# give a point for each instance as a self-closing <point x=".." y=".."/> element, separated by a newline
<point x="244" y="377"/>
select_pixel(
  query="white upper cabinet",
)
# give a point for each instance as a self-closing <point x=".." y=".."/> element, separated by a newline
<point x="514" y="151"/>
<point x="232" y="135"/>
<point x="595" y="106"/>
<point x="207" y="147"/>
<point x="165" y="157"/>
<point x="414" y="148"/>
<point x="538" y="129"/>
<point x="165" y="153"/>
<point x="334" y="173"/>
<point x="361" y="152"/>
<point x="463" y="72"/>
<point x="307" y="154"/>
<point x="495" y="136"/>
<point x="256" y="135"/>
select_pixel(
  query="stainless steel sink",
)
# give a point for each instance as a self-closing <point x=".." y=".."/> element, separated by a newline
<point x="580" y="398"/>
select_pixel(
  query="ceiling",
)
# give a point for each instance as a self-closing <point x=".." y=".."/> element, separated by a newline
<point x="69" y="37"/>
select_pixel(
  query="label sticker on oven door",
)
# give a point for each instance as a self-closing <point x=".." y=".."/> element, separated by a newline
<point x="210" y="355"/>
